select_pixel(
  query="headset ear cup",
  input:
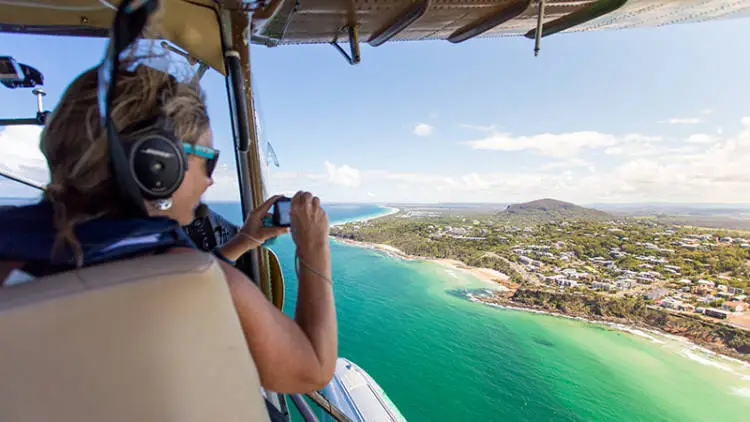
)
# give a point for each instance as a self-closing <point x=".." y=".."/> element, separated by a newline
<point x="157" y="165"/>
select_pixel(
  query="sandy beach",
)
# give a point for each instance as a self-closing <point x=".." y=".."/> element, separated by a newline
<point x="484" y="274"/>
<point x="390" y="211"/>
<point x="498" y="280"/>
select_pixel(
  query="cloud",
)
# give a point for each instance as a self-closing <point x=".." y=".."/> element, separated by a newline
<point x="683" y="121"/>
<point x="342" y="175"/>
<point x="559" y="145"/>
<point x="566" y="164"/>
<point x="21" y="155"/>
<point x="701" y="138"/>
<point x="636" y="168"/>
<point x="719" y="174"/>
<point x="423" y="129"/>
<point x="478" y="128"/>
<point x="707" y="111"/>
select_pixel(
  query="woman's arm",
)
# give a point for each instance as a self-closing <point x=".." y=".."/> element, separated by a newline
<point x="252" y="234"/>
<point x="285" y="353"/>
<point x="294" y="356"/>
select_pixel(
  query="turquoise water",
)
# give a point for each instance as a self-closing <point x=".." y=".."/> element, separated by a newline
<point x="442" y="358"/>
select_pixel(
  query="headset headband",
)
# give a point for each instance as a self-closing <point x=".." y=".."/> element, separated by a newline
<point x="129" y="22"/>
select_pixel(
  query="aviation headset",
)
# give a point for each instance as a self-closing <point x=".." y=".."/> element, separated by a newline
<point x="156" y="163"/>
<point x="151" y="163"/>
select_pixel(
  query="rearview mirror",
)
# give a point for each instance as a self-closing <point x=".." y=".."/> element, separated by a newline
<point x="18" y="75"/>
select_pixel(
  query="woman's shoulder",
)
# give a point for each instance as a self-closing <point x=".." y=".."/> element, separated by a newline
<point x="229" y="270"/>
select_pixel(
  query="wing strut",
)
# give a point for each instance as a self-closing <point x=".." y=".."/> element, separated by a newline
<point x="353" y="44"/>
<point x="539" y="28"/>
<point x="590" y="12"/>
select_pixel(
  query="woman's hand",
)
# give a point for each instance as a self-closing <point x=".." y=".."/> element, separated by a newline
<point x="252" y="234"/>
<point x="309" y="223"/>
<point x="253" y="229"/>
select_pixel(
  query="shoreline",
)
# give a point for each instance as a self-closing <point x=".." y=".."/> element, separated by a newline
<point x="488" y="275"/>
<point x="641" y="330"/>
<point x="638" y="329"/>
<point x="388" y="211"/>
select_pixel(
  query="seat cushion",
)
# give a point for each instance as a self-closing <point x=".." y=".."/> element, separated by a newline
<point x="147" y="339"/>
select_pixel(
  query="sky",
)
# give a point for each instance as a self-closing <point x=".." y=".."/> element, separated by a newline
<point x="641" y="115"/>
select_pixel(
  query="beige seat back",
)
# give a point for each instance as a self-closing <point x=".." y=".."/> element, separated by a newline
<point x="148" y="339"/>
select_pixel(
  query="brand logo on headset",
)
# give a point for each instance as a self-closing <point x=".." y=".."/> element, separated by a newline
<point x="157" y="153"/>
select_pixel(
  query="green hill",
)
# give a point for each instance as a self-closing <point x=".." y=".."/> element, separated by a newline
<point x="545" y="210"/>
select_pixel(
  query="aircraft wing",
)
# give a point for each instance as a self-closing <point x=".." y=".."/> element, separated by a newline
<point x="193" y="24"/>
<point x="379" y="21"/>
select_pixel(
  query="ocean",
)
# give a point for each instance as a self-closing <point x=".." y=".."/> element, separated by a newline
<point x="440" y="357"/>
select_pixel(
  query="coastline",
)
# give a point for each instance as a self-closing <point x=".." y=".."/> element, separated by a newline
<point x="635" y="328"/>
<point x="497" y="279"/>
<point x="387" y="211"/>
<point x="487" y="275"/>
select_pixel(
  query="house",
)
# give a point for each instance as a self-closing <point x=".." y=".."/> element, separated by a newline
<point x="601" y="285"/>
<point x="566" y="283"/>
<point x="717" y="313"/>
<point x="657" y="293"/>
<point x="526" y="260"/>
<point x="672" y="303"/>
<point x="706" y="283"/>
<point x="734" y="306"/>
<point x="735" y="290"/>
<point x="686" y="307"/>
<point x="625" y="283"/>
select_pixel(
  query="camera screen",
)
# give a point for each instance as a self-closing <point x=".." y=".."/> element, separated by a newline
<point x="282" y="207"/>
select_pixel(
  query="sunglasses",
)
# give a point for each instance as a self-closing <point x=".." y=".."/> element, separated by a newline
<point x="211" y="155"/>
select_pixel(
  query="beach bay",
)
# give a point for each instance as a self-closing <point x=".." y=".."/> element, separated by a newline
<point x="441" y="357"/>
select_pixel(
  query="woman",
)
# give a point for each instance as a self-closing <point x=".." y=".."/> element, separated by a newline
<point x="81" y="213"/>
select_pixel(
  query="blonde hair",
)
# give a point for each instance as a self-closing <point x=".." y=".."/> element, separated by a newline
<point x="82" y="185"/>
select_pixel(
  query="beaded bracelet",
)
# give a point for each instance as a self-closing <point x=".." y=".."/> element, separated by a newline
<point x="298" y="261"/>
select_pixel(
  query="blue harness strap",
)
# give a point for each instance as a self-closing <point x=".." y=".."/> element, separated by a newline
<point x="27" y="234"/>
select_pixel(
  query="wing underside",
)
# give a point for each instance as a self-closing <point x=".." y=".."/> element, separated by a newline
<point x="317" y="21"/>
<point x="193" y="24"/>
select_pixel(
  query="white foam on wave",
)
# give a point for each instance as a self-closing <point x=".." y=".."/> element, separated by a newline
<point x="638" y="333"/>
<point x="386" y="212"/>
<point x="741" y="391"/>
<point x="705" y="361"/>
<point x="451" y="273"/>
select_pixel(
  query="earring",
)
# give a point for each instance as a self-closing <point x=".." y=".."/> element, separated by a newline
<point x="162" y="204"/>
